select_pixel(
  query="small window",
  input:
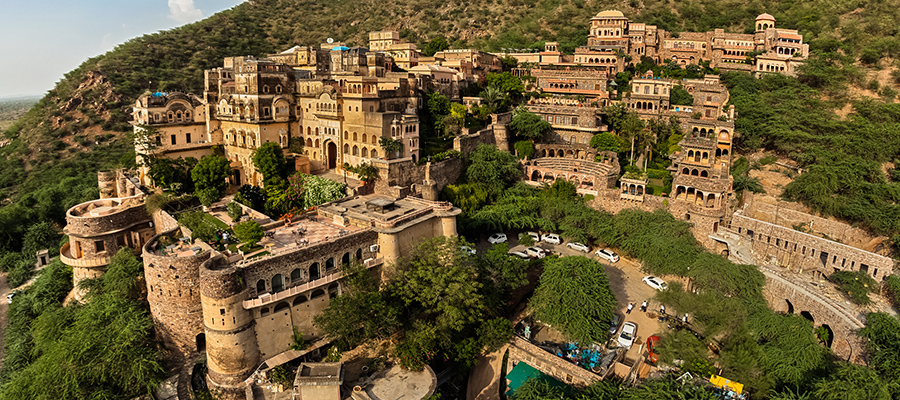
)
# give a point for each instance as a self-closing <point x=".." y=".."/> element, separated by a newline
<point x="187" y="137"/>
<point x="100" y="246"/>
<point x="120" y="240"/>
<point x="173" y="140"/>
<point x="221" y="311"/>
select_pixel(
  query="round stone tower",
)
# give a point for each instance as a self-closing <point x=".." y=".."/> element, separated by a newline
<point x="232" y="352"/>
<point x="108" y="184"/>
<point x="173" y="291"/>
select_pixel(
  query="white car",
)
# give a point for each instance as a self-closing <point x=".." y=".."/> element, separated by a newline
<point x="607" y="255"/>
<point x="468" y="250"/>
<point x="551" y="238"/>
<point x="655" y="282"/>
<point x="626" y="337"/>
<point x="9" y="297"/>
<point x="519" y="254"/>
<point x="534" y="236"/>
<point x="536" y="252"/>
<point x="578" y="246"/>
<point x="497" y="238"/>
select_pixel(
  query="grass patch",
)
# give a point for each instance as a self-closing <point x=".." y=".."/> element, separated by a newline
<point x="215" y="222"/>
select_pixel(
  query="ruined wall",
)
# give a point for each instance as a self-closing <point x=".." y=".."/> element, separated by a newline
<point x="403" y="173"/>
<point x="837" y="231"/>
<point x="564" y="371"/>
<point x="787" y="297"/>
<point x="173" y="293"/>
<point x="778" y="245"/>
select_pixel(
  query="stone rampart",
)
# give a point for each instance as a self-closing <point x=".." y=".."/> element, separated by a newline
<point x="835" y="230"/>
<point x="520" y="350"/>
<point x="173" y="293"/>
<point x="782" y="246"/>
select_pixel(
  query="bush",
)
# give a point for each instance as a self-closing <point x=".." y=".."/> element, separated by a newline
<point x="856" y="284"/>
<point x="235" y="211"/>
<point x="249" y="232"/>
<point x="525" y="149"/>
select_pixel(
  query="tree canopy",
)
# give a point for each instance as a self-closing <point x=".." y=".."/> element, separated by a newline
<point x="574" y="297"/>
<point x="269" y="161"/>
<point x="210" y="174"/>
<point x="493" y="168"/>
<point x="528" y="125"/>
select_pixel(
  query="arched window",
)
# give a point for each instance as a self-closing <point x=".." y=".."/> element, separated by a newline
<point x="296" y="275"/>
<point x="263" y="311"/>
<point x="277" y="283"/>
<point x="365" y="152"/>
<point x="374" y="153"/>
<point x="346" y="149"/>
<point x="329" y="264"/>
<point x="317" y="293"/>
<point x="345" y="260"/>
<point x="299" y="300"/>
<point x="314" y="272"/>
<point x="261" y="286"/>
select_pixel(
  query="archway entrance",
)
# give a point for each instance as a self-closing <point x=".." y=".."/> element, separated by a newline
<point x="332" y="155"/>
<point x="236" y="177"/>
<point x="201" y="342"/>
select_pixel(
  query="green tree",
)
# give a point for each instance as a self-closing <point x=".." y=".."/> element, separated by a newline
<point x="435" y="45"/>
<point x="574" y="296"/>
<point x="493" y="168"/>
<point x="605" y="141"/>
<point x="494" y="99"/>
<point x="882" y="338"/>
<point x="211" y="174"/>
<point x="39" y="236"/>
<point x="364" y="313"/>
<point x="235" y="211"/>
<point x="106" y="342"/>
<point x="507" y="82"/>
<point x="200" y="228"/>
<point x="249" y="232"/>
<point x="525" y="149"/>
<point x="678" y="96"/>
<point x="528" y="125"/>
<point x="852" y="382"/>
<point x="856" y="284"/>
<point x="391" y="147"/>
<point x="269" y="161"/>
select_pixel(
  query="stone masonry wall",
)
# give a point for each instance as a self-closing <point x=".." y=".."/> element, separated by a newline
<point x="304" y="258"/>
<point x="836" y="230"/>
<point x="405" y="173"/>
<point x="173" y="293"/>
<point x="521" y="350"/>
<point x="787" y="297"/>
<point x="778" y="245"/>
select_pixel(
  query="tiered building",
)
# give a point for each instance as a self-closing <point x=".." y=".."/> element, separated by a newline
<point x="612" y="36"/>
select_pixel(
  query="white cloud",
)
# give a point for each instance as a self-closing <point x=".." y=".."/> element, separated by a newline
<point x="184" y="11"/>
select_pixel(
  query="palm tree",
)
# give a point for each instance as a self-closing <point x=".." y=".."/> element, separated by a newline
<point x="493" y="98"/>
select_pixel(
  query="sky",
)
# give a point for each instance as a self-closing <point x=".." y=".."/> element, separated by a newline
<point x="44" y="39"/>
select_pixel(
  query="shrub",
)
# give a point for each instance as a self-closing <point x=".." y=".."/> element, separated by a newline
<point x="856" y="284"/>
<point x="235" y="211"/>
<point x="249" y="232"/>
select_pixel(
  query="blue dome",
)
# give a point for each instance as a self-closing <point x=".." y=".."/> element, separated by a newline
<point x="340" y="48"/>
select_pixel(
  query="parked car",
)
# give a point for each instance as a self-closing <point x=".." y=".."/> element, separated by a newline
<point x="536" y="252"/>
<point x="578" y="246"/>
<point x="607" y="255"/>
<point x="551" y="238"/>
<point x="614" y="324"/>
<point x="651" y="348"/>
<point x="497" y="238"/>
<point x="520" y="255"/>
<point x="468" y="249"/>
<point x="9" y="297"/>
<point x="534" y="235"/>
<point x="626" y="337"/>
<point x="655" y="282"/>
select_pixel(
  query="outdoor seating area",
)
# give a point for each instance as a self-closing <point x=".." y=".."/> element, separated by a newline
<point x="183" y="247"/>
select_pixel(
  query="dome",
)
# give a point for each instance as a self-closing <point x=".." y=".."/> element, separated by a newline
<point x="610" y="14"/>
<point x="765" y="17"/>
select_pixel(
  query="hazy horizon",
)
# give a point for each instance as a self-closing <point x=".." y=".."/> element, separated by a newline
<point x="46" y="39"/>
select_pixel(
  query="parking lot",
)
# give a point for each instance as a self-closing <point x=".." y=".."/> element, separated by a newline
<point x="624" y="279"/>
